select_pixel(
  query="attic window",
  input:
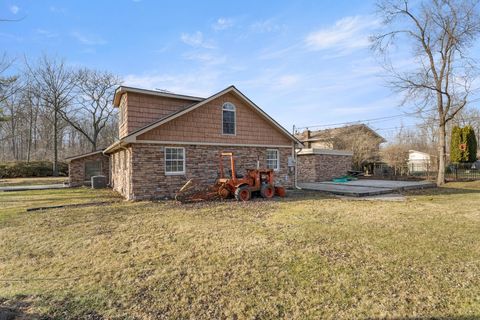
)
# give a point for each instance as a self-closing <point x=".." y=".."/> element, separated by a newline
<point x="228" y="118"/>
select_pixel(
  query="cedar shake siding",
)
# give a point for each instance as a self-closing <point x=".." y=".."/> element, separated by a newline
<point x="204" y="125"/>
<point x="139" y="110"/>
<point x="149" y="180"/>
<point x="76" y="169"/>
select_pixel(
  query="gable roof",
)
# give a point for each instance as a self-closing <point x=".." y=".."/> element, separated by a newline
<point x="123" y="89"/>
<point x="79" y="156"/>
<point x="325" y="134"/>
<point x="132" y="136"/>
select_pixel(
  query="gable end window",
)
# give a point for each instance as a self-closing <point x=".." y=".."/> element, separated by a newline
<point x="174" y="161"/>
<point x="273" y="159"/>
<point x="228" y="118"/>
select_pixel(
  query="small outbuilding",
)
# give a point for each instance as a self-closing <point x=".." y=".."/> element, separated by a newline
<point x="419" y="161"/>
<point x="314" y="165"/>
<point x="81" y="168"/>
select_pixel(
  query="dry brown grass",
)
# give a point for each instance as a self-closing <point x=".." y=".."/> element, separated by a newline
<point x="305" y="258"/>
<point x="31" y="181"/>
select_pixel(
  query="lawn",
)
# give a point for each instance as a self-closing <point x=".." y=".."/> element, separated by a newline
<point x="304" y="257"/>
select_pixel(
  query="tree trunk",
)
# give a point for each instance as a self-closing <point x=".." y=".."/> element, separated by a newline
<point x="441" y="155"/>
<point x="55" y="143"/>
<point x="94" y="141"/>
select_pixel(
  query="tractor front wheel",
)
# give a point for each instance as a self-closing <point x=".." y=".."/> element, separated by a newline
<point x="243" y="193"/>
<point x="267" y="191"/>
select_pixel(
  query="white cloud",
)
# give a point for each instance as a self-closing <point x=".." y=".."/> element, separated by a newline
<point x="57" y="10"/>
<point x="197" y="83"/>
<point x="89" y="40"/>
<point x="272" y="80"/>
<point x="346" y="34"/>
<point x="46" y="33"/>
<point x="222" y="24"/>
<point x="14" y="9"/>
<point x="266" y="26"/>
<point x="206" y="57"/>
<point x="196" y="40"/>
<point x="288" y="80"/>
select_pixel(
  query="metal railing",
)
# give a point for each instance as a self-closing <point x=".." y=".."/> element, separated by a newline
<point x="453" y="172"/>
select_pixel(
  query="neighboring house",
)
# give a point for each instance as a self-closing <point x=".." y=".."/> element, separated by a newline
<point x="419" y="161"/>
<point x="166" y="139"/>
<point x="360" y="139"/>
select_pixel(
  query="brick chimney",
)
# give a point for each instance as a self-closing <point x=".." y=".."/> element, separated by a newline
<point x="309" y="135"/>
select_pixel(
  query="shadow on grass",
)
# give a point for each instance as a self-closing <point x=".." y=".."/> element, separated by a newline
<point x="475" y="317"/>
<point x="442" y="191"/>
<point x="19" y="307"/>
<point x="15" y="308"/>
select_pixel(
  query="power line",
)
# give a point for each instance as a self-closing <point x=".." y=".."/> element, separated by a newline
<point x="380" y="119"/>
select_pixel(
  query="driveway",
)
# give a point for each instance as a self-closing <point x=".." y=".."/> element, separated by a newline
<point x="365" y="187"/>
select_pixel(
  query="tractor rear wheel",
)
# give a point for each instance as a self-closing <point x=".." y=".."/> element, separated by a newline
<point x="243" y="193"/>
<point x="267" y="191"/>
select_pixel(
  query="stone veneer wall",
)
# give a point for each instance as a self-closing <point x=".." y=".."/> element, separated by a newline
<point x="149" y="181"/>
<point x="76" y="169"/>
<point x="322" y="167"/>
<point x="121" y="164"/>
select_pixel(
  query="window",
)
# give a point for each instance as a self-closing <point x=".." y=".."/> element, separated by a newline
<point x="92" y="168"/>
<point x="228" y="118"/>
<point x="174" y="160"/>
<point x="273" y="159"/>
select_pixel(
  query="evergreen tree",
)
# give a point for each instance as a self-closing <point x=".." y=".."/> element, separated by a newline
<point x="455" y="142"/>
<point x="470" y="140"/>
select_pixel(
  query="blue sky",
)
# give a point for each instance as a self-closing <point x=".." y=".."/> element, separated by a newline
<point x="304" y="62"/>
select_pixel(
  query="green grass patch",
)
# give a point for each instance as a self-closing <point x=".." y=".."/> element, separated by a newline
<point x="303" y="257"/>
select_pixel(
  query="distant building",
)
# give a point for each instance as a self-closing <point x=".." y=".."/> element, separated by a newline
<point x="419" y="161"/>
<point x="360" y="139"/>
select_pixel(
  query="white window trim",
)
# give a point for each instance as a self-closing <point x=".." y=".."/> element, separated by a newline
<point x="278" y="159"/>
<point x="234" y="119"/>
<point x="176" y="173"/>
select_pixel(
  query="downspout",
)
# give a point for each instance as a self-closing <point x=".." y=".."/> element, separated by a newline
<point x="294" y="155"/>
<point x="294" y="151"/>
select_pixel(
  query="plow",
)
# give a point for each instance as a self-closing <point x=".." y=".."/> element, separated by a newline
<point x="231" y="184"/>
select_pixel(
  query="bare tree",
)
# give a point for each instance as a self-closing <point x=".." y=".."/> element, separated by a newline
<point x="93" y="107"/>
<point x="8" y="84"/>
<point x="55" y="83"/>
<point x="440" y="33"/>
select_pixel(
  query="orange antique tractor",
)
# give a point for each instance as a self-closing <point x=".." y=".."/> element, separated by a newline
<point x="233" y="184"/>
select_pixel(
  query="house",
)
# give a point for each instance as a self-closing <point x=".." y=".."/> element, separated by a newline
<point x="360" y="139"/>
<point x="419" y="161"/>
<point x="166" y="139"/>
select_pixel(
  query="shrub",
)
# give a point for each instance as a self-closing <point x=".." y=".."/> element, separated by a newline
<point x="22" y="169"/>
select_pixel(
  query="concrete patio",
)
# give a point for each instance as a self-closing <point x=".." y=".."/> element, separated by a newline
<point x="365" y="187"/>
